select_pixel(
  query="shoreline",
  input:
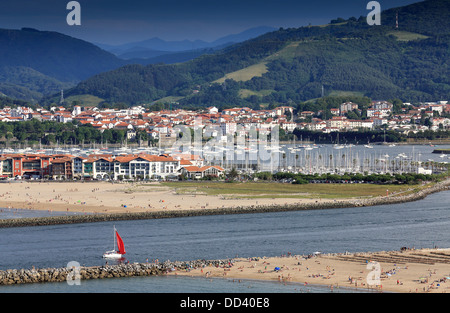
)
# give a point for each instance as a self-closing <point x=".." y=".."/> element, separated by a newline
<point x="299" y="284"/>
<point x="406" y="271"/>
<point x="213" y="206"/>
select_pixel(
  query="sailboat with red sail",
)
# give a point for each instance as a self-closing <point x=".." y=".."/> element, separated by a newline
<point x="116" y="254"/>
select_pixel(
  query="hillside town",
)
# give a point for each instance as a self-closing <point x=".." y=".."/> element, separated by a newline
<point x="215" y="123"/>
<point x="162" y="126"/>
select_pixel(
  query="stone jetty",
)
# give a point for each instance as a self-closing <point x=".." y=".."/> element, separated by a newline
<point x="444" y="151"/>
<point x="71" y="274"/>
<point x="92" y="218"/>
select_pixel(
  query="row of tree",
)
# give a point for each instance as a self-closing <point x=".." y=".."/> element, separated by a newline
<point x="49" y="132"/>
<point x="355" y="137"/>
<point x="404" y="178"/>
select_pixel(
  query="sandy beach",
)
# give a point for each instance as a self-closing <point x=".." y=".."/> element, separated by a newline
<point x="410" y="271"/>
<point x="400" y="271"/>
<point x="104" y="197"/>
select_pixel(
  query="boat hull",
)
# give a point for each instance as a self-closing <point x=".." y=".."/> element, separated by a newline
<point x="112" y="255"/>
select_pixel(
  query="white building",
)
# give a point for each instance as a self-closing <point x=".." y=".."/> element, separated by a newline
<point x="367" y="124"/>
<point x="228" y="128"/>
<point x="379" y="121"/>
<point x="195" y="172"/>
<point x="289" y="126"/>
<point x="372" y="112"/>
<point x="347" y="107"/>
<point x="146" y="166"/>
<point x="135" y="166"/>
<point x="212" y="110"/>
<point x="76" y="110"/>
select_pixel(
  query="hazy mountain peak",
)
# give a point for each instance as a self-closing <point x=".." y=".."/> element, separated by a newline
<point x="156" y="43"/>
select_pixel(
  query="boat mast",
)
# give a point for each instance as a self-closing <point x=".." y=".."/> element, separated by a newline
<point x="114" y="235"/>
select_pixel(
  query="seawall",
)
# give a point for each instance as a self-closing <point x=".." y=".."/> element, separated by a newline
<point x="92" y="218"/>
<point x="444" y="151"/>
<point x="71" y="274"/>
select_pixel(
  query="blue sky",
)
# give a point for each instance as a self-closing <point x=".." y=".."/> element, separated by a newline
<point x="122" y="21"/>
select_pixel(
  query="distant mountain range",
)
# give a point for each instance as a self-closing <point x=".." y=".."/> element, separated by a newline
<point x="345" y="57"/>
<point x="156" y="50"/>
<point x="154" y="47"/>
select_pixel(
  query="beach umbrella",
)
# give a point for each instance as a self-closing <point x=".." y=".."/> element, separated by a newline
<point x="277" y="268"/>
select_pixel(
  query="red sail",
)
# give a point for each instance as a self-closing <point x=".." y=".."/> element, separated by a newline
<point x="120" y="244"/>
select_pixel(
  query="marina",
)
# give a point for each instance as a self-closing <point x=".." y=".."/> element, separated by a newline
<point x="295" y="158"/>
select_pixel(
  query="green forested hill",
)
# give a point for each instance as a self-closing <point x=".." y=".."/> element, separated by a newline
<point x="22" y="82"/>
<point x="381" y="62"/>
<point x="35" y="63"/>
<point x="53" y="54"/>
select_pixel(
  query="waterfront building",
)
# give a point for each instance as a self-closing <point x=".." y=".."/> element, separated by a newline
<point x="144" y="166"/>
<point x="19" y="165"/>
<point x="62" y="168"/>
<point x="195" y="172"/>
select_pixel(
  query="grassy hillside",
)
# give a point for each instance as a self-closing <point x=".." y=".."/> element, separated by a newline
<point x="410" y="63"/>
<point x="245" y="74"/>
<point x="84" y="100"/>
<point x="406" y="36"/>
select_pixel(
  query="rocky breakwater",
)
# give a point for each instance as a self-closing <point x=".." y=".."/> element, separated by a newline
<point x="73" y="274"/>
<point x="318" y="205"/>
<point x="25" y="276"/>
<point x="413" y="195"/>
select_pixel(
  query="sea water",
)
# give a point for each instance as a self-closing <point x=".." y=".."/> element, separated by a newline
<point x="174" y="284"/>
<point x="420" y="224"/>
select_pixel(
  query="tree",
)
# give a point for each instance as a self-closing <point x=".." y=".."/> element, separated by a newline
<point x="428" y="122"/>
<point x="107" y="135"/>
<point x="397" y="106"/>
<point x="232" y="174"/>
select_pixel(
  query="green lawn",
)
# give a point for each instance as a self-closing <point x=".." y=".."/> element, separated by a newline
<point x="285" y="190"/>
<point x="245" y="74"/>
<point x="407" y="36"/>
<point x="343" y="93"/>
<point x="245" y="93"/>
<point x="85" y="100"/>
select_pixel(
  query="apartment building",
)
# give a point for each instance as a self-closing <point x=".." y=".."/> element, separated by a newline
<point x="95" y="166"/>
<point x="145" y="166"/>
<point x="19" y="165"/>
<point x="347" y="107"/>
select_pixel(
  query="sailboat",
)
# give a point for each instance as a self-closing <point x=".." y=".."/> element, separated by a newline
<point x="368" y="145"/>
<point x="113" y="254"/>
<point x="337" y="146"/>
